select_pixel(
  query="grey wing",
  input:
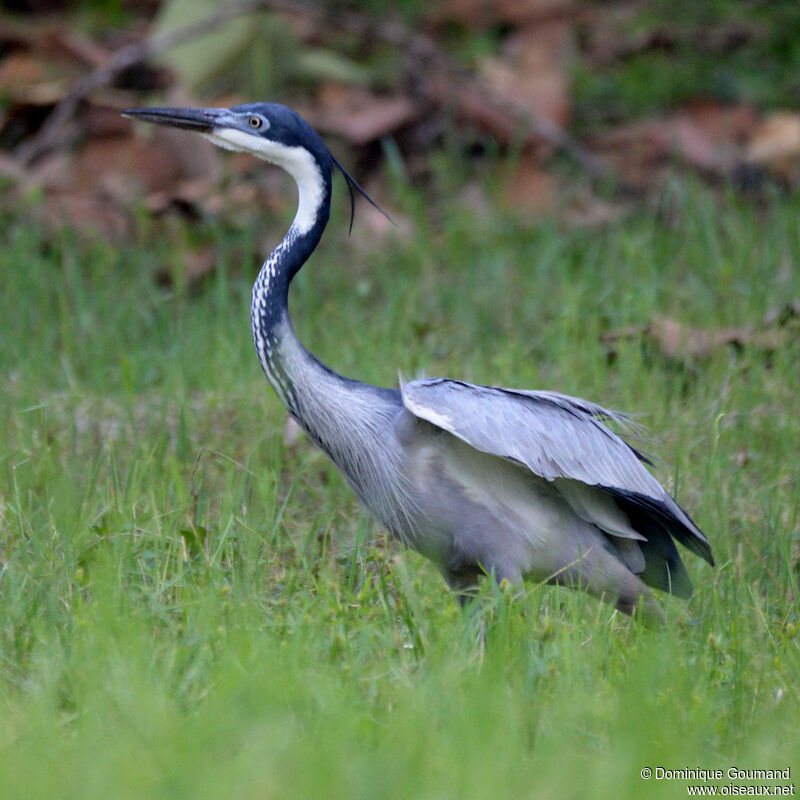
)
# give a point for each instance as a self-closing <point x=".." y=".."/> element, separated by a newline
<point x="564" y="439"/>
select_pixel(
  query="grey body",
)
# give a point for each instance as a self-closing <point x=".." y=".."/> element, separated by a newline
<point x="480" y="480"/>
<point x="469" y="505"/>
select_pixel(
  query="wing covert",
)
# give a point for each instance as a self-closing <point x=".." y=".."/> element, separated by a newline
<point x="555" y="436"/>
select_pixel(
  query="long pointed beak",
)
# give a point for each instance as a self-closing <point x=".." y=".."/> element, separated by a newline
<point x="194" y="119"/>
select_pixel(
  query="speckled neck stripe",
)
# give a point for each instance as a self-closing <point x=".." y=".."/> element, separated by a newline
<point x="270" y="324"/>
<point x="275" y="341"/>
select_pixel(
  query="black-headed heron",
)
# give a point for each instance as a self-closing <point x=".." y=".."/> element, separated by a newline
<point x="480" y="479"/>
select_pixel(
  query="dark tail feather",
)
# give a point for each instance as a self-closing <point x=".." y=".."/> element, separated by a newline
<point x="664" y="569"/>
<point x="689" y="535"/>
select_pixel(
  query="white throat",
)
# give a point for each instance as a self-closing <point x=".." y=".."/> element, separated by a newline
<point x="297" y="161"/>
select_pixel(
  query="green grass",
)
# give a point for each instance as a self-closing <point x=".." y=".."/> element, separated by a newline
<point x="190" y="608"/>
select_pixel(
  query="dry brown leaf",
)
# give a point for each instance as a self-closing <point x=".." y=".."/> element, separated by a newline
<point x="152" y="165"/>
<point x="61" y="42"/>
<point x="695" y="137"/>
<point x="607" y="37"/>
<point x="691" y="143"/>
<point x="20" y="69"/>
<point x="36" y="73"/>
<point x="683" y="342"/>
<point x="532" y="71"/>
<point x="159" y="160"/>
<point x="635" y="149"/>
<point x="678" y="340"/>
<point x="14" y="36"/>
<point x="776" y="144"/>
<point x="612" y="35"/>
<point x="469" y="103"/>
<point x="360" y="116"/>
<point x="95" y="188"/>
<point x="88" y="212"/>
<point x="103" y="121"/>
<point x="475" y="105"/>
<point x="724" y="125"/>
<point x="175" y="200"/>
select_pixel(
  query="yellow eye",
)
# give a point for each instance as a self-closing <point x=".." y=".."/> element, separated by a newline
<point x="255" y="122"/>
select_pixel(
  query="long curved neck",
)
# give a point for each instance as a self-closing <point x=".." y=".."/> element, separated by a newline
<point x="349" y="420"/>
<point x="286" y="363"/>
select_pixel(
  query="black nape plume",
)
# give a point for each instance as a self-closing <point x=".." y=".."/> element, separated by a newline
<point x="352" y="183"/>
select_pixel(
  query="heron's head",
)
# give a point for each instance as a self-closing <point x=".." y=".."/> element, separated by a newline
<point x="266" y="130"/>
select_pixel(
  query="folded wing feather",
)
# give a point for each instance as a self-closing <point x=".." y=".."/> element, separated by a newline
<point x="562" y="439"/>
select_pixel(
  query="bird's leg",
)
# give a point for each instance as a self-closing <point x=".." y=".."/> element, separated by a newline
<point x="644" y="608"/>
<point x="464" y="584"/>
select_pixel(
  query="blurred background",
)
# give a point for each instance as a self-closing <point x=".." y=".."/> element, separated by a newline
<point x="541" y="107"/>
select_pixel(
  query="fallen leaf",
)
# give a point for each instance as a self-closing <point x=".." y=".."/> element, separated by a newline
<point x="640" y="148"/>
<point x="530" y="75"/>
<point x="476" y="105"/>
<point x="724" y="125"/>
<point x="102" y="121"/>
<point x="61" y="42"/>
<point x="682" y="342"/>
<point x="776" y="144"/>
<point x="611" y="35"/>
<point x="20" y="69"/>
<point x="150" y="165"/>
<point x="470" y="105"/>
<point x="90" y="212"/>
<point x="360" y="116"/>
<point x="35" y="73"/>
<point x="691" y="143"/>
<point x="678" y="340"/>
